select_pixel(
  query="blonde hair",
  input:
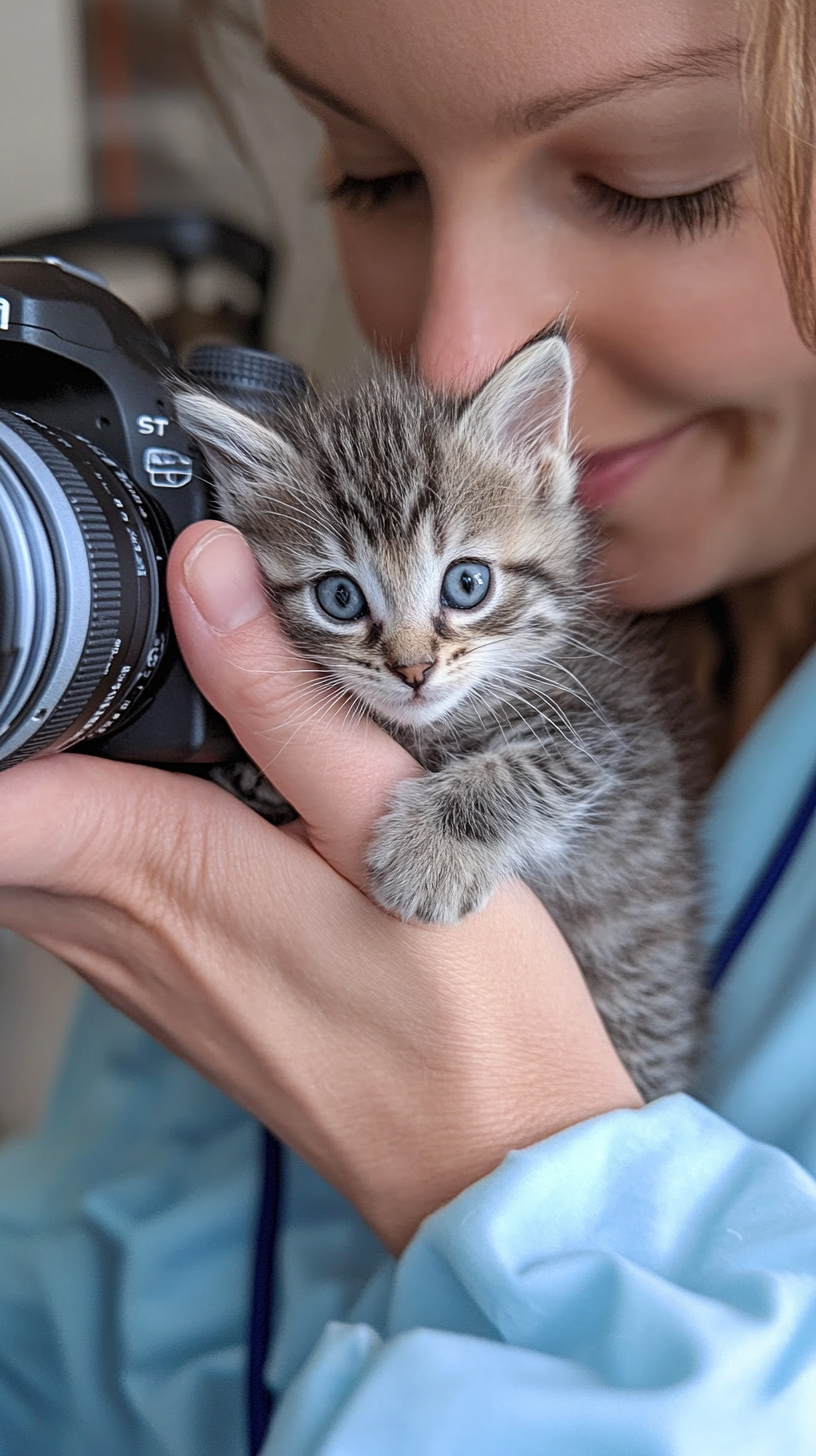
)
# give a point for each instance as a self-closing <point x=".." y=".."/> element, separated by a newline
<point x="780" y="86"/>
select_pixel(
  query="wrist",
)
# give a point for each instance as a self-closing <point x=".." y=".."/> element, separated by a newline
<point x="410" y="1183"/>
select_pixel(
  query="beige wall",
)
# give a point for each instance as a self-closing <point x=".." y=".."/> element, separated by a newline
<point x="43" y="178"/>
<point x="43" y="183"/>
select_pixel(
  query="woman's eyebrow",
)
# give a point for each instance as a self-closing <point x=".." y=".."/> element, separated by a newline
<point x="307" y="87"/>
<point x="531" y="116"/>
<point x="701" y="63"/>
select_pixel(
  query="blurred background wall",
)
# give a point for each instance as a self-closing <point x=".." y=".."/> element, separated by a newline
<point x="44" y="173"/>
<point x="104" y="113"/>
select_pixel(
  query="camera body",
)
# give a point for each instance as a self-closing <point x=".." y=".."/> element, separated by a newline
<point x="97" y="479"/>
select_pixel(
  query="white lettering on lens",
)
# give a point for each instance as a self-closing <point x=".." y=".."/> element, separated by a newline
<point x="5" y="313"/>
<point x="152" y="425"/>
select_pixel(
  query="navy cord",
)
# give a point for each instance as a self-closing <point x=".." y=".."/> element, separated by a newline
<point x="762" y="889"/>
<point x="261" y="1403"/>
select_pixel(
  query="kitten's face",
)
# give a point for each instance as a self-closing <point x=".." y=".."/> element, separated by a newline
<point x="410" y="552"/>
<point x="413" y="616"/>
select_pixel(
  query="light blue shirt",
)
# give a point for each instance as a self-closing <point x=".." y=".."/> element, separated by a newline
<point x="643" y="1283"/>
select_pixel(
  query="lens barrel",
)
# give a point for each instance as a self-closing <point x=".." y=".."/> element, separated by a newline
<point x="83" y="625"/>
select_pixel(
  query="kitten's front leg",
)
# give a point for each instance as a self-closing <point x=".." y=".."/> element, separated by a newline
<point x="448" y="839"/>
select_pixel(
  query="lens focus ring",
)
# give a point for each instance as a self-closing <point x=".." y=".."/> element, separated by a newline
<point x="111" y="636"/>
<point x="105" y="591"/>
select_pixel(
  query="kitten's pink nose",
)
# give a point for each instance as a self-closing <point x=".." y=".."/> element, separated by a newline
<point x="414" y="673"/>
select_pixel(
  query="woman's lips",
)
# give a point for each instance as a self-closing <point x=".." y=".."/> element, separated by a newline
<point x="606" y="475"/>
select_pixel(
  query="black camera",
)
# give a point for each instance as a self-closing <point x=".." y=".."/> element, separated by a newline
<point x="96" y="480"/>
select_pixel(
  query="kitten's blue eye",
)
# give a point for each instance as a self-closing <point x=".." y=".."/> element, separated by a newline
<point x="466" y="584"/>
<point x="341" y="598"/>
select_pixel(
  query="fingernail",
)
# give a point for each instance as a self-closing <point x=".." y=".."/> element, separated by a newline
<point x="221" y="576"/>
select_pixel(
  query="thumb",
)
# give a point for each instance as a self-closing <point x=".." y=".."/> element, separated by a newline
<point x="335" y="768"/>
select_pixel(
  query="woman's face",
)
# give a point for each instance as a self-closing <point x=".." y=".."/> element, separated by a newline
<point x="495" y="164"/>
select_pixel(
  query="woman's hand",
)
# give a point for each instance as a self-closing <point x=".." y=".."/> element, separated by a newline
<point x="401" y="1061"/>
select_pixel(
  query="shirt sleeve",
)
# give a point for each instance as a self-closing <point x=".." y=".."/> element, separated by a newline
<point x="643" y="1283"/>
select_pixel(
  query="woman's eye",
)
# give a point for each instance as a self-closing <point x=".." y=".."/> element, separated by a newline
<point x="341" y="598"/>
<point x="367" y="194"/>
<point x="686" y="215"/>
<point x="466" y="584"/>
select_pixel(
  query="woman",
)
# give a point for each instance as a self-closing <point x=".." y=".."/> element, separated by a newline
<point x="638" y="1279"/>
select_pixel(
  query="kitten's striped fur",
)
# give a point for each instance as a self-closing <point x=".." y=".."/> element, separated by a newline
<point x="557" y="748"/>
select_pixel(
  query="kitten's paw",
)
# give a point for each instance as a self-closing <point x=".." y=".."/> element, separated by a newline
<point x="420" y="868"/>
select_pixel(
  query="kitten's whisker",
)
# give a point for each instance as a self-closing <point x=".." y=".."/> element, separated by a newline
<point x="588" y="699"/>
<point x="263" y="672"/>
<point x="565" y="719"/>
<point x="318" y="717"/>
<point x="584" y="696"/>
<point x="562" y="667"/>
<point x="537" y="681"/>
<point x="356" y="712"/>
<point x="498" y="722"/>
<point x="587" y="647"/>
<point x="314" y="696"/>
<point x="539" y="713"/>
<point x="296" y="723"/>
<point x="569" y="734"/>
<point x="551" y="702"/>
<point x="289" y="511"/>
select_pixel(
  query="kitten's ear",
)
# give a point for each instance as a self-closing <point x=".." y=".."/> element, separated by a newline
<point x="238" y="448"/>
<point x="523" y="410"/>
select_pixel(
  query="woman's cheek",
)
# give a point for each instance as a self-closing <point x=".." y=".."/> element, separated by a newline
<point x="385" y="262"/>
<point x="704" y="328"/>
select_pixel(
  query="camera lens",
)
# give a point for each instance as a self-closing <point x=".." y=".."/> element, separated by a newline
<point x="82" y="623"/>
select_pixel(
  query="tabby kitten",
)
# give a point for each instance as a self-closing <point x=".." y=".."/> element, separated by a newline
<point x="429" y="557"/>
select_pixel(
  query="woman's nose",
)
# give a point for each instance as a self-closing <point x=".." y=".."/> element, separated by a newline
<point x="488" y="292"/>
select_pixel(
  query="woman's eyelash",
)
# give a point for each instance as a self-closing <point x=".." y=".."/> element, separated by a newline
<point x="367" y="194"/>
<point x="687" y="214"/>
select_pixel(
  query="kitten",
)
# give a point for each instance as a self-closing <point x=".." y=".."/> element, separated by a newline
<point x="429" y="557"/>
